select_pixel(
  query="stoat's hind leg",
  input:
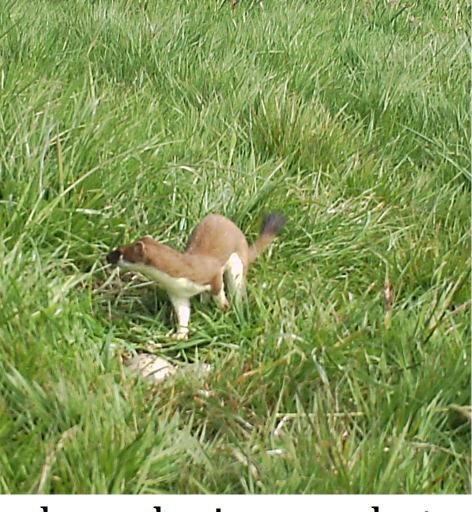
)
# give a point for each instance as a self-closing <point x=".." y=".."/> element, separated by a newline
<point x="221" y="299"/>
<point x="182" y="312"/>
<point x="235" y="276"/>
<point x="218" y="292"/>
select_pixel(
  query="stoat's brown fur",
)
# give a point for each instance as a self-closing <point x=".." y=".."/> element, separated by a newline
<point x="216" y="247"/>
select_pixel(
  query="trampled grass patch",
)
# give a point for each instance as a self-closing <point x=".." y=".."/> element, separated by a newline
<point x="348" y="368"/>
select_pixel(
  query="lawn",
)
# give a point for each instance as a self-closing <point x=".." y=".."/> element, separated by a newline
<point x="347" y="370"/>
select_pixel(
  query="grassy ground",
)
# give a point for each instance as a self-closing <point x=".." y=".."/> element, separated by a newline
<point x="123" y="118"/>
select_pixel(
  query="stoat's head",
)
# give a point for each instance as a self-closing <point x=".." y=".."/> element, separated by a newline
<point x="133" y="254"/>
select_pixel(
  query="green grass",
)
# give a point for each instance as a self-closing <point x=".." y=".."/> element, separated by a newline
<point x="125" y="118"/>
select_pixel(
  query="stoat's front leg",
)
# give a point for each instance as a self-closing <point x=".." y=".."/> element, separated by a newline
<point x="182" y="311"/>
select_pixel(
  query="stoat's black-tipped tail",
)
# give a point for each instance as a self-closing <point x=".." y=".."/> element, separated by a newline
<point x="271" y="226"/>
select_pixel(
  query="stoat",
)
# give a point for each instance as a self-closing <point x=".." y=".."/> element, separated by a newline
<point x="216" y="248"/>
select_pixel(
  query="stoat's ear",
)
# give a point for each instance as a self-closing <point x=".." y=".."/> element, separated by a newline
<point x="139" y="249"/>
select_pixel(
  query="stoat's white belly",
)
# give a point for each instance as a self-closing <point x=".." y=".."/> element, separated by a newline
<point x="176" y="286"/>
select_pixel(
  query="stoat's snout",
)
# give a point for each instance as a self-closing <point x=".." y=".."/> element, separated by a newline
<point x="114" y="257"/>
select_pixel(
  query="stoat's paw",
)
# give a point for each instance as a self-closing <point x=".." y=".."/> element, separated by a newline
<point x="225" y="305"/>
<point x="180" y="335"/>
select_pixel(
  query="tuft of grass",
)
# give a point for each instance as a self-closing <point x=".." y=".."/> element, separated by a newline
<point x="345" y="370"/>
